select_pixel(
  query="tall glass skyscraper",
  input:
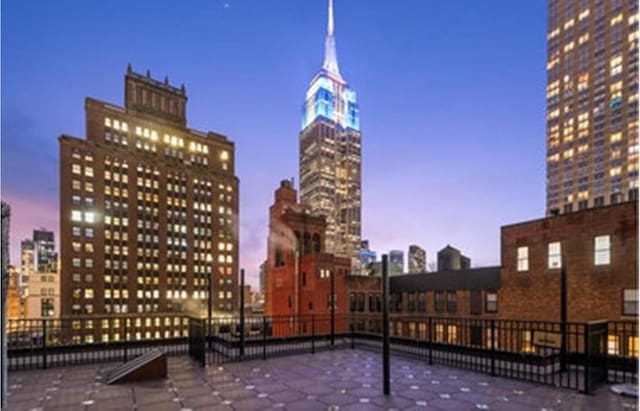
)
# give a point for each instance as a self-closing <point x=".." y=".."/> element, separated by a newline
<point x="592" y="104"/>
<point x="330" y="154"/>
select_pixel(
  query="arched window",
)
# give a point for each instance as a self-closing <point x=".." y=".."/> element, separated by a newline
<point x="316" y="243"/>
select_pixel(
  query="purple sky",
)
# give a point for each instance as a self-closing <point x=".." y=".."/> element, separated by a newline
<point x="451" y="98"/>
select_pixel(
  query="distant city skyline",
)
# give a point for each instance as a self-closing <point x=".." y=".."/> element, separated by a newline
<point x="453" y="118"/>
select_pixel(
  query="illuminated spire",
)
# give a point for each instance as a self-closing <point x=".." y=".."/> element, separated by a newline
<point x="330" y="57"/>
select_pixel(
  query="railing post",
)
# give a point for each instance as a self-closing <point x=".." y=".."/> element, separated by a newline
<point x="353" y="336"/>
<point x="333" y="307"/>
<point x="587" y="358"/>
<point x="44" y="344"/>
<point x="493" y="347"/>
<point x="430" y="341"/>
<point x="264" y="337"/>
<point x="386" y="366"/>
<point x="124" y="338"/>
<point x="313" y="334"/>
<point x="242" y="313"/>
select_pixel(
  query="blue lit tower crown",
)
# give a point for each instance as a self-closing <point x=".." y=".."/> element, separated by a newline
<point x="330" y="154"/>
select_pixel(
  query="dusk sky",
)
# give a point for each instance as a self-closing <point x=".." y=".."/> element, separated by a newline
<point x="451" y="94"/>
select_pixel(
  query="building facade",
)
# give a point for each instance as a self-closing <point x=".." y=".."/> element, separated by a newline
<point x="15" y="302"/>
<point x="417" y="259"/>
<point x="330" y="155"/>
<point x="148" y="208"/>
<point x="46" y="258"/>
<point x="450" y="258"/>
<point x="367" y="258"/>
<point x="592" y="104"/>
<point x="396" y="262"/>
<point x="4" y="235"/>
<point x="299" y="272"/>
<point x="27" y="265"/>
<point x="43" y="298"/>
<point x="596" y="248"/>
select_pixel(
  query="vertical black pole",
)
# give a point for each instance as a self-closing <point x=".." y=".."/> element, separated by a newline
<point x="44" y="344"/>
<point x="313" y="334"/>
<point x="242" y="313"/>
<point x="264" y="337"/>
<point x="493" y="347"/>
<point x="430" y="342"/>
<point x="385" y="326"/>
<point x="563" y="316"/>
<point x="333" y="307"/>
<point x="124" y="337"/>
<point x="209" y="310"/>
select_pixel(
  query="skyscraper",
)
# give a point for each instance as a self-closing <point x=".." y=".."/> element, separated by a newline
<point x="592" y="104"/>
<point x="45" y="251"/>
<point x="330" y="154"/>
<point x="6" y="219"/>
<point x="396" y="262"/>
<point x="149" y="207"/>
<point x="27" y="265"/>
<point x="417" y="259"/>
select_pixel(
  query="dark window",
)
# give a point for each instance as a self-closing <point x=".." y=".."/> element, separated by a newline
<point x="476" y="302"/>
<point x="412" y="302"/>
<point x="289" y="302"/>
<point x="598" y="201"/>
<point x="439" y="301"/>
<point x="310" y="305"/>
<point x="568" y="208"/>
<point x="476" y="335"/>
<point x="279" y="257"/>
<point x="372" y="303"/>
<point x="304" y="279"/>
<point x="378" y="303"/>
<point x="452" y="302"/>
<point x="633" y="194"/>
<point x="491" y="302"/>
<point x="361" y="302"/>
<point x="352" y="302"/>
<point x="630" y="302"/>
<point x="582" y="205"/>
<point x="422" y="302"/>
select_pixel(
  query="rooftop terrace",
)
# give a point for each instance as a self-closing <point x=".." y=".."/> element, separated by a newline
<point x="345" y="379"/>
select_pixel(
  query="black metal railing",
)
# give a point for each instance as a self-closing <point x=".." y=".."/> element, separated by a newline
<point x="45" y="343"/>
<point x="527" y="350"/>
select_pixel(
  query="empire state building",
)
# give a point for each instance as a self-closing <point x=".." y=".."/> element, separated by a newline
<point x="330" y="154"/>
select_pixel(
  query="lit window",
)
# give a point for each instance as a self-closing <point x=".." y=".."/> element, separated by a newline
<point x="555" y="259"/>
<point x="632" y="346"/>
<point x="613" y="345"/>
<point x="76" y="215"/>
<point x="617" y="19"/>
<point x="76" y="169"/>
<point x="602" y="253"/>
<point x="526" y="342"/>
<point x="523" y="258"/>
<point x="615" y="137"/>
<point x="116" y="124"/>
<point x="107" y="122"/>
<point x="630" y="302"/>
<point x="452" y="334"/>
<point x="491" y="303"/>
<point x="224" y="155"/>
<point x="89" y="217"/>
<point x="88" y="171"/>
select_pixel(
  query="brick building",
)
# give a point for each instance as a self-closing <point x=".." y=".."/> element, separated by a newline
<point x="298" y="271"/>
<point x="148" y="208"/>
<point x="597" y="248"/>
